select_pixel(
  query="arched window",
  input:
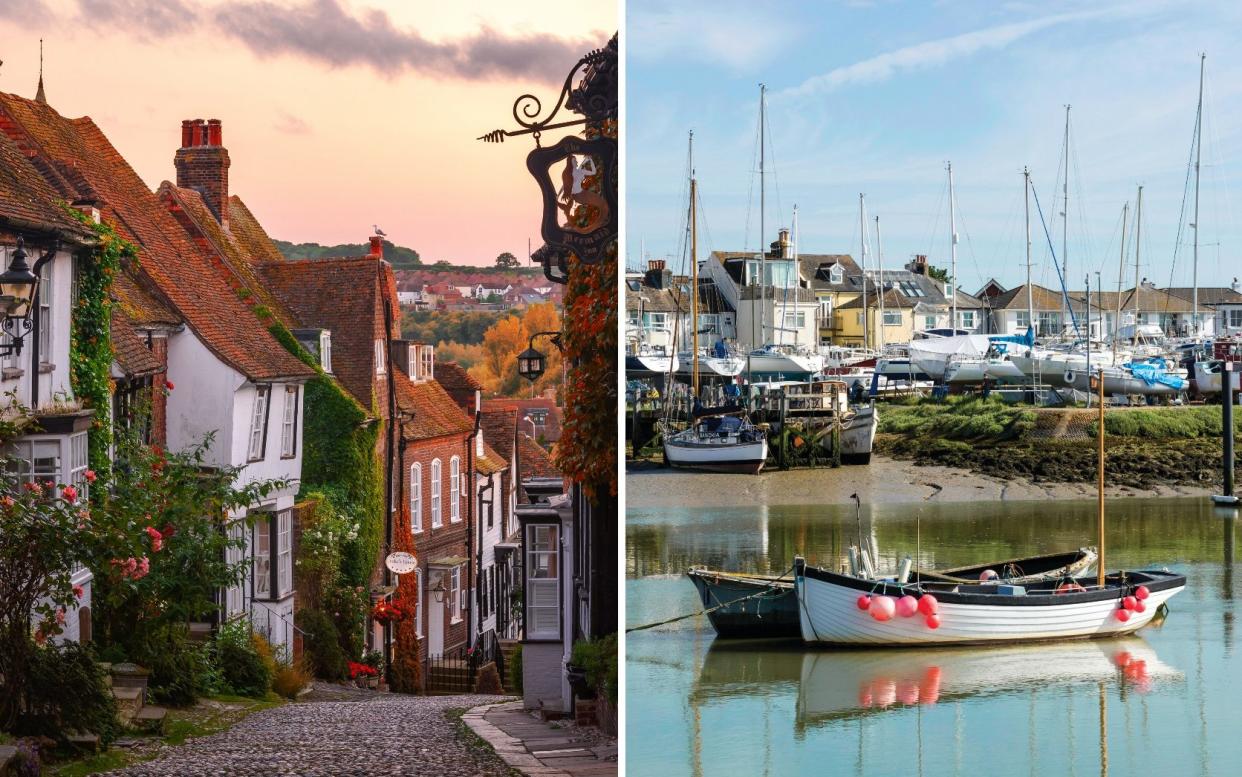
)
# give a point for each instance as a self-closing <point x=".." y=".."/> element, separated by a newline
<point x="416" y="498"/>
<point x="455" y="489"/>
<point x="436" y="520"/>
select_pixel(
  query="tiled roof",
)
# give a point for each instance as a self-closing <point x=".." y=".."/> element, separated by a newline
<point x="490" y="462"/>
<point x="552" y="424"/>
<point x="339" y="295"/>
<point x="78" y="149"/>
<point x="460" y="385"/>
<point x="141" y="306"/>
<point x="533" y="460"/>
<point x="250" y="235"/>
<point x="131" y="353"/>
<point x="428" y="409"/>
<point x="28" y="202"/>
<point x="891" y="300"/>
<point x="1208" y="295"/>
<point x="222" y="249"/>
<point x="1015" y="299"/>
<point x="500" y="428"/>
<point x="816" y="268"/>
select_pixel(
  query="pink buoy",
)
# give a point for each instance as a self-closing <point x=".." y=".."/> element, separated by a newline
<point x="988" y="574"/>
<point x="928" y="605"/>
<point x="1141" y="592"/>
<point x="1129" y="603"/>
<point x="1121" y="615"/>
<point x="882" y="607"/>
<point x="907" y="606"/>
<point x="1140" y="607"/>
<point x="864" y="602"/>
<point x="932" y="621"/>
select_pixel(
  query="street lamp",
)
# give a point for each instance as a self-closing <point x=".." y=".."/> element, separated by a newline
<point x="532" y="363"/>
<point x="439" y="591"/>
<point x="17" y="292"/>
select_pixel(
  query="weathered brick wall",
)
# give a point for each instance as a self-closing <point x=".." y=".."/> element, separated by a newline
<point x="206" y="170"/>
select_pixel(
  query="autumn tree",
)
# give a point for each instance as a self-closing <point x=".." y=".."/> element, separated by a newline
<point x="496" y="367"/>
<point x="507" y="260"/>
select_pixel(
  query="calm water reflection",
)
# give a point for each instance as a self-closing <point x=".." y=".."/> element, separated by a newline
<point x="1165" y="701"/>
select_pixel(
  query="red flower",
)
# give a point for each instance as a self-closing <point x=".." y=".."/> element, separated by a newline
<point x="79" y="591"/>
<point x="90" y="476"/>
<point x="168" y="384"/>
<point x="69" y="493"/>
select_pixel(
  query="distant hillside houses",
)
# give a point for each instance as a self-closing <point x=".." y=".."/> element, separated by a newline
<point x="463" y="289"/>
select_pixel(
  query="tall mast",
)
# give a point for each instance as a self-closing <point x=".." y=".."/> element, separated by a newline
<point x="763" y="251"/>
<point x="1121" y="269"/>
<point x="1194" y="320"/>
<point x="953" y="253"/>
<point x="793" y="268"/>
<point x="1066" y="313"/>
<point x="693" y="227"/>
<point x="879" y="260"/>
<point x="1138" y="246"/>
<point x="1030" y="296"/>
<point x="862" y="241"/>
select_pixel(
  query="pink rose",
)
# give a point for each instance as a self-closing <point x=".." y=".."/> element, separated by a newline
<point x="70" y="494"/>
<point x="90" y="476"/>
<point x="79" y="591"/>
<point x="60" y="616"/>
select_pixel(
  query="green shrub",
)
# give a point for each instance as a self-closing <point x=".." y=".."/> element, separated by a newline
<point x="245" y="670"/>
<point x="182" y="671"/>
<point x="514" y="669"/>
<point x="323" y="645"/>
<point x="598" y="657"/>
<point x="65" y="691"/>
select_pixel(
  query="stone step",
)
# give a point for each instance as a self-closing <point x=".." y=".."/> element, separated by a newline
<point x="81" y="740"/>
<point x="150" y="720"/>
<point x="129" y="701"/>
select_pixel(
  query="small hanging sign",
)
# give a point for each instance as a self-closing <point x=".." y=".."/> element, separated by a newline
<point x="401" y="563"/>
<point x="578" y="180"/>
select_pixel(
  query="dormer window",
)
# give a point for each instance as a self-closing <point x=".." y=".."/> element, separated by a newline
<point x="836" y="274"/>
<point x="427" y="362"/>
<point x="325" y="350"/>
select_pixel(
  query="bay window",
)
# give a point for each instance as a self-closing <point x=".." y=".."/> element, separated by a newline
<point x="543" y="606"/>
<point x="272" y="559"/>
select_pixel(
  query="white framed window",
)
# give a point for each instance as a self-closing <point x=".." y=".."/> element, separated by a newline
<point x="929" y="322"/>
<point x="455" y="595"/>
<point x="262" y="559"/>
<point x="1235" y="318"/>
<point x="284" y="552"/>
<point x="455" y="490"/>
<point x="381" y="365"/>
<point x="46" y="323"/>
<point x="892" y="318"/>
<point x="825" y="310"/>
<point x="836" y="275"/>
<point x="234" y="598"/>
<point x="860" y="318"/>
<point x="795" y="319"/>
<point x="58" y="459"/>
<point x="427" y="362"/>
<point x="655" y="320"/>
<point x="325" y="350"/>
<point x="1023" y="319"/>
<point x="416" y="497"/>
<point x="966" y="319"/>
<point x="436" y="520"/>
<point x="543" y="607"/>
<point x="289" y="424"/>
<point x="258" y="423"/>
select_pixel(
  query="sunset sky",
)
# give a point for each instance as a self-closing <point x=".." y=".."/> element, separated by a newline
<point x="337" y="114"/>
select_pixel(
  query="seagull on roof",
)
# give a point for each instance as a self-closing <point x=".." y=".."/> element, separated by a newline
<point x="379" y="231"/>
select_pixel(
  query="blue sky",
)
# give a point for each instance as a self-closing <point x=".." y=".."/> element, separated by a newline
<point x="874" y="97"/>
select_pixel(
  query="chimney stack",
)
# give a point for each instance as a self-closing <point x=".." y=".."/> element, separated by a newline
<point x="202" y="164"/>
<point x="784" y="249"/>
<point x="377" y="247"/>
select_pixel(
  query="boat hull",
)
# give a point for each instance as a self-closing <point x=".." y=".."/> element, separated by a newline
<point x="829" y="614"/>
<point x="785" y="364"/>
<point x="1207" y="379"/>
<point x="754" y="608"/>
<point x="710" y="366"/>
<point x="857" y="436"/>
<point x="748" y="457"/>
<point x="660" y="365"/>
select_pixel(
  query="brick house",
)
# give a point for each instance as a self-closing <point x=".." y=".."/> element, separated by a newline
<point x="229" y="371"/>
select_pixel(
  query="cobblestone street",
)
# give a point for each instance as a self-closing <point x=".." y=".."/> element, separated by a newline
<point x="387" y="734"/>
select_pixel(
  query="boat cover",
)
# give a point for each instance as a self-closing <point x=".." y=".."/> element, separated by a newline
<point x="1153" y="373"/>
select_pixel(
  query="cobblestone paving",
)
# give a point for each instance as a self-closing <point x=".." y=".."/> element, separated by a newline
<point x="390" y="734"/>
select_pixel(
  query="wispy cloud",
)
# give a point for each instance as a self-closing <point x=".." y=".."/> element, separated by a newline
<point x="932" y="53"/>
<point x="288" y="124"/>
<point x="739" y="36"/>
<point x="328" y="33"/>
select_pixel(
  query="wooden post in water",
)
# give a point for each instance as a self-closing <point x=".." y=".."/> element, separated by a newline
<point x="1100" y="564"/>
<point x="1226" y="432"/>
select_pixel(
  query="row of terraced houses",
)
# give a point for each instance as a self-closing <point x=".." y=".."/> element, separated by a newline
<point x="192" y="335"/>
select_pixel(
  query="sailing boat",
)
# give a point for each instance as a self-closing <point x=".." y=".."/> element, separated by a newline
<point x="719" y="442"/>
<point x="777" y="358"/>
<point x="853" y="609"/>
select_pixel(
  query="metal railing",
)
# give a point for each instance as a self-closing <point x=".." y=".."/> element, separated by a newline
<point x="455" y="672"/>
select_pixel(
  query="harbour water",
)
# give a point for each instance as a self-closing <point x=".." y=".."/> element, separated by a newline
<point x="1161" y="702"/>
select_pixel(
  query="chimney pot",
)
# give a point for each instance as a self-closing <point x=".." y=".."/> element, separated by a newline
<point x="215" y="133"/>
<point x="203" y="165"/>
<point x="377" y="247"/>
<point x="187" y="132"/>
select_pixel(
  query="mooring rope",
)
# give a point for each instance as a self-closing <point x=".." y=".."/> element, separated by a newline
<point x="765" y="592"/>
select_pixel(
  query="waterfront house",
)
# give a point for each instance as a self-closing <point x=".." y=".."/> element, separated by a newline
<point x="1220" y="307"/>
<point x="770" y="300"/>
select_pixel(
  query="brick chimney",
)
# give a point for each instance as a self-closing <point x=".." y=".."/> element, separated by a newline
<point x="377" y="247"/>
<point x="202" y="164"/>
<point x="918" y="265"/>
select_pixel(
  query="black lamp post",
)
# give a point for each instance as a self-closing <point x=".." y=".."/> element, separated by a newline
<point x="532" y="363"/>
<point x="17" y="293"/>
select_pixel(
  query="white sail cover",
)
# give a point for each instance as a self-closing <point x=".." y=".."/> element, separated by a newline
<point x="932" y="354"/>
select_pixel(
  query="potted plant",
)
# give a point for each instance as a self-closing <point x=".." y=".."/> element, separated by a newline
<point x="363" y="675"/>
<point x="580" y="669"/>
